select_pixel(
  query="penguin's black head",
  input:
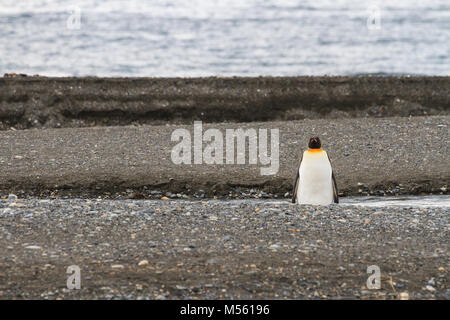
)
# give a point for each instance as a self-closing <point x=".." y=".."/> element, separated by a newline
<point x="314" y="143"/>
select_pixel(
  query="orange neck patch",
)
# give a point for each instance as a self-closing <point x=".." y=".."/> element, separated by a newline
<point x="314" y="150"/>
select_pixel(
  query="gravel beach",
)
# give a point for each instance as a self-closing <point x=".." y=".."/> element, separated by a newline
<point x="88" y="180"/>
<point x="220" y="250"/>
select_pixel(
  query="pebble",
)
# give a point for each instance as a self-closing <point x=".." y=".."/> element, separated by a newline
<point x="33" y="247"/>
<point x="404" y="296"/>
<point x="143" y="263"/>
<point x="430" y="288"/>
<point x="180" y="287"/>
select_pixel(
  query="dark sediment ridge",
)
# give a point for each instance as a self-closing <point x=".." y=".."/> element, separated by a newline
<point x="40" y="102"/>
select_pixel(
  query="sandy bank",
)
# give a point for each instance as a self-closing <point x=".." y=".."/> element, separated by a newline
<point x="392" y="155"/>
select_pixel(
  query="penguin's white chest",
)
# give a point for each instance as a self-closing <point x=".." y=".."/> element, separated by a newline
<point x="315" y="185"/>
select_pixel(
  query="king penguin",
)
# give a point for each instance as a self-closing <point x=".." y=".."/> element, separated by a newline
<point x="315" y="182"/>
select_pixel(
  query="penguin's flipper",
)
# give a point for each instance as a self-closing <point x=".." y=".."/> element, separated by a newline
<point x="296" y="182"/>
<point x="335" y="189"/>
<point x="294" y="192"/>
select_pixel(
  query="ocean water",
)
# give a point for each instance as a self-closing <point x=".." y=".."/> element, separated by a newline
<point x="442" y="201"/>
<point x="224" y="37"/>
